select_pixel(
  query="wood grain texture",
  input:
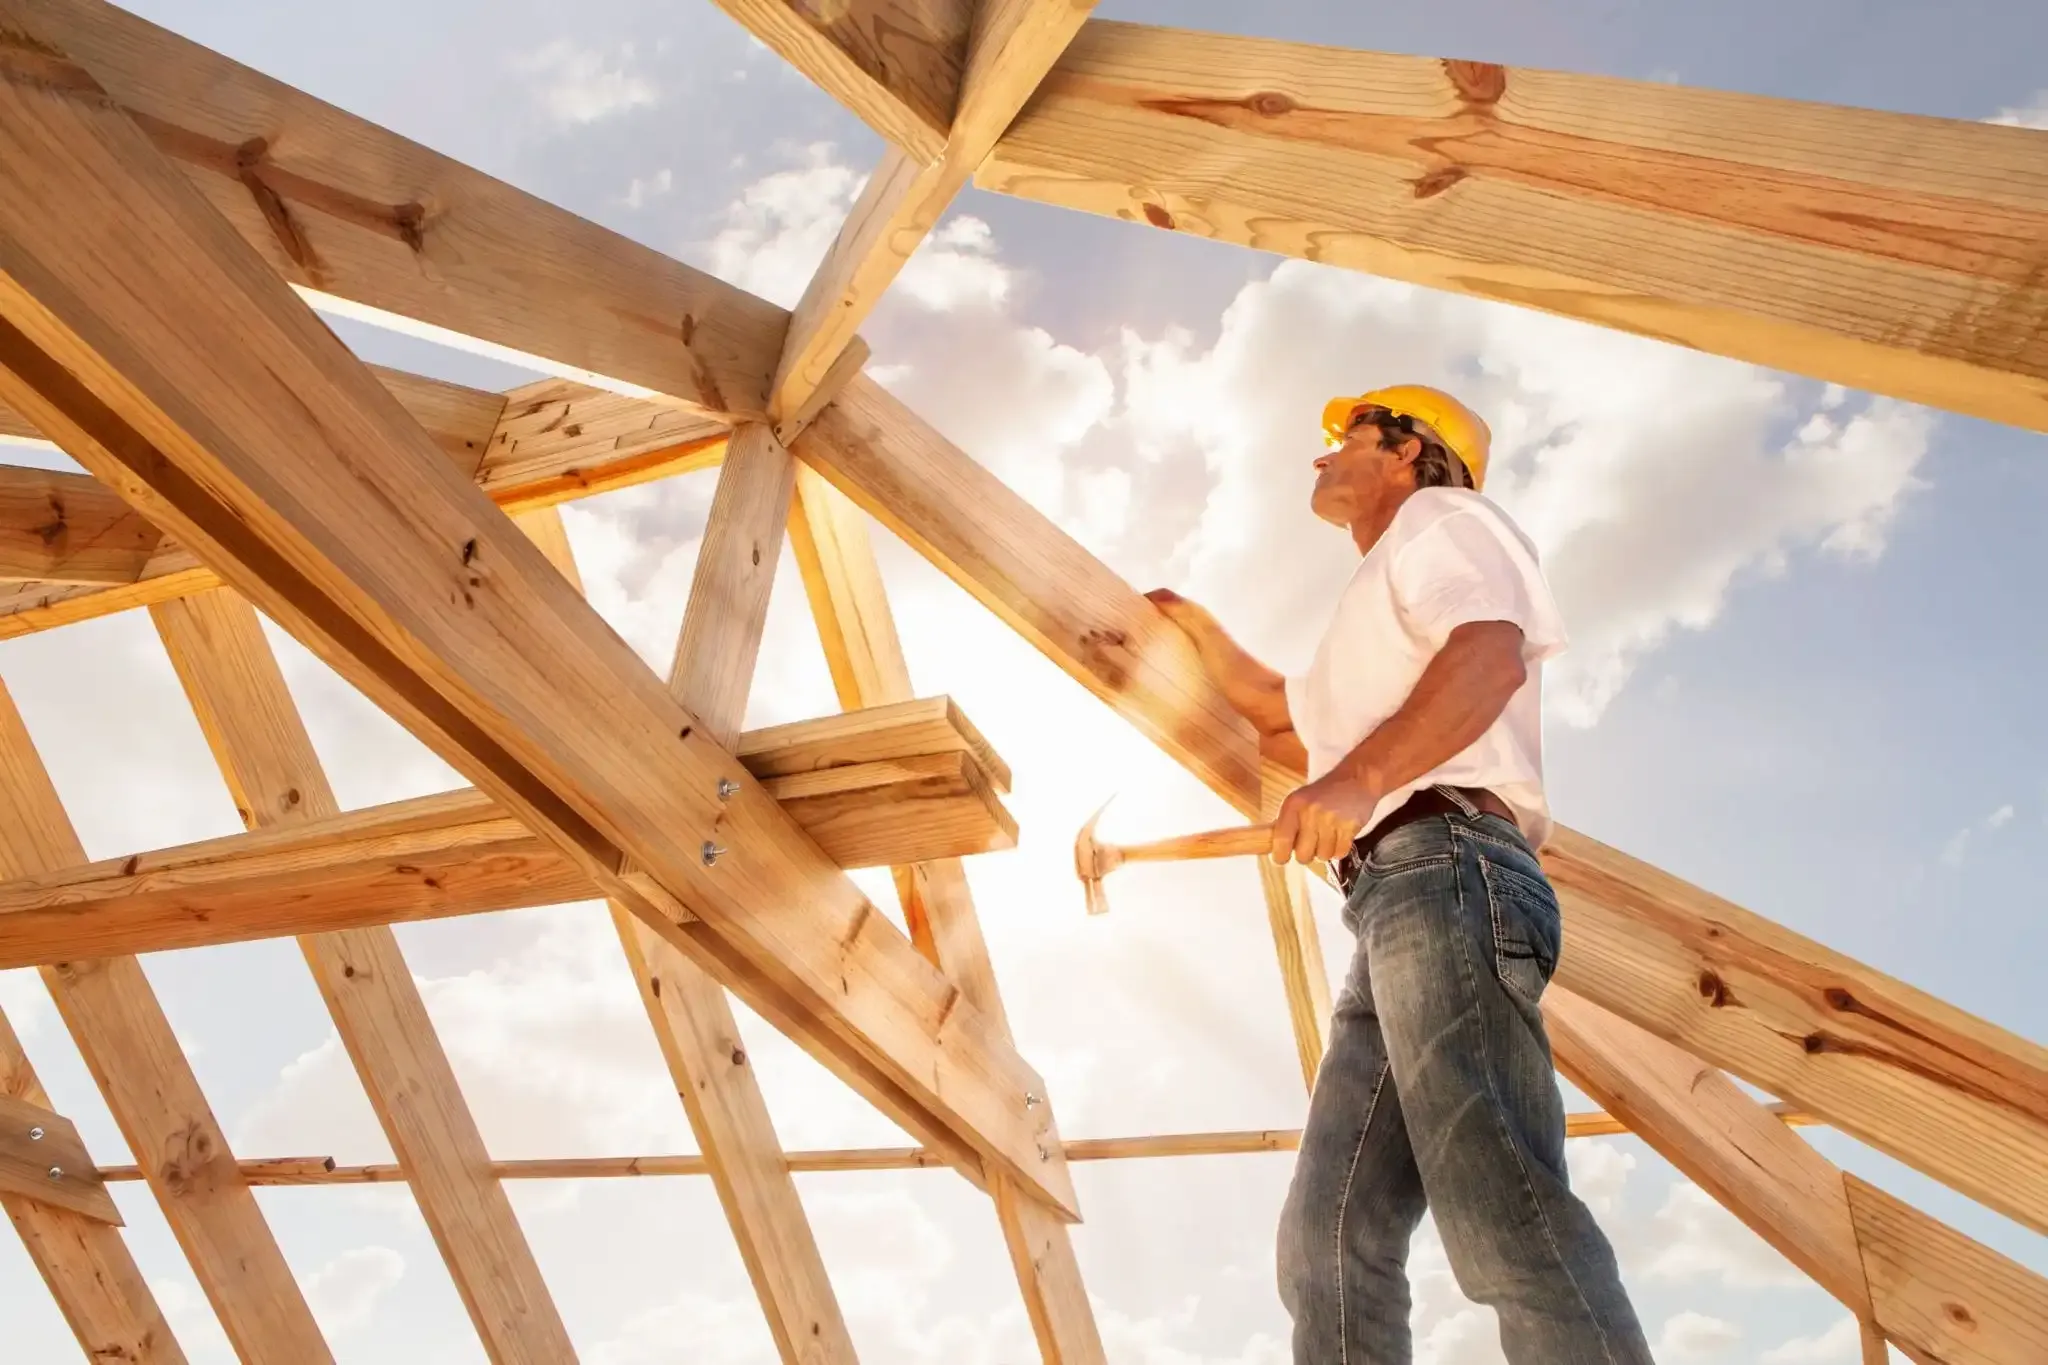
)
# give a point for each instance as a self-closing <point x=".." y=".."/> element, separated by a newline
<point x="43" y="1158"/>
<point x="692" y="1020"/>
<point x="1297" y="944"/>
<point x="217" y="645"/>
<point x="1940" y="1296"/>
<point x="1013" y="44"/>
<point x="337" y="204"/>
<point x="895" y="64"/>
<point x="1888" y="252"/>
<point x="1945" y="1092"/>
<point x="238" y="423"/>
<point x="851" y="608"/>
<point x="68" y="528"/>
<point x="84" y="1261"/>
<point x="558" y="439"/>
<point x="129" y="1047"/>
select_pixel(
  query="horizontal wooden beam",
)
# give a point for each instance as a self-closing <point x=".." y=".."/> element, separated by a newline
<point x="1888" y="252"/>
<point x="872" y="789"/>
<point x="336" y="204"/>
<point x="64" y="528"/>
<point x="322" y="1170"/>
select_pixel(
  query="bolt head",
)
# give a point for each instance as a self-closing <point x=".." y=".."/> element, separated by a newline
<point x="56" y="1173"/>
<point x="1031" y="1101"/>
<point x="35" y="1135"/>
<point x="712" y="853"/>
<point x="727" y="789"/>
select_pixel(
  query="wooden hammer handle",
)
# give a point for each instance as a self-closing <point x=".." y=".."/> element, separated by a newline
<point x="1215" y="843"/>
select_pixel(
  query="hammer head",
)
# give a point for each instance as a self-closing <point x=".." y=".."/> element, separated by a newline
<point x="1093" y="862"/>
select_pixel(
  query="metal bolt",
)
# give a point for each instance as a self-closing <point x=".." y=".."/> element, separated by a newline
<point x="727" y="789"/>
<point x="1031" y="1101"/>
<point x="1043" y="1154"/>
<point x="56" y="1173"/>
<point x="35" y="1135"/>
<point x="712" y="853"/>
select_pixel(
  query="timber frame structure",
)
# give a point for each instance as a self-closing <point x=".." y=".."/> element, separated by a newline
<point x="166" y="215"/>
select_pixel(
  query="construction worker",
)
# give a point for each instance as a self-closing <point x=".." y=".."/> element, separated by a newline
<point x="1418" y="724"/>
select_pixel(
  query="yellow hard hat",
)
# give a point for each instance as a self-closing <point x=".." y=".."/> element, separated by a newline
<point x="1461" y="430"/>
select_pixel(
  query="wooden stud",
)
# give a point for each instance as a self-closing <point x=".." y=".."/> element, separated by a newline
<point x="692" y="1019"/>
<point x="65" y="528"/>
<point x="84" y="1260"/>
<point x="844" y="580"/>
<point x="217" y="646"/>
<point x="134" y="1056"/>
<point x="1882" y="251"/>
<point x="226" y="411"/>
<point x="341" y="207"/>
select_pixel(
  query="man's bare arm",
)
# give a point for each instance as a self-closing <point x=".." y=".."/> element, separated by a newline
<point x="1254" y="691"/>
<point x="1461" y="692"/>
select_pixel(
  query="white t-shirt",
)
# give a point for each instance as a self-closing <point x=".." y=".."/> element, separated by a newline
<point x="1450" y="557"/>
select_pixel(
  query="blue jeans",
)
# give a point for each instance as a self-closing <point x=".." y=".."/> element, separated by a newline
<point x="1438" y="1091"/>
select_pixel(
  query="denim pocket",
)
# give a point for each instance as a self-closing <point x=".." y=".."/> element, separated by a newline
<point x="1527" y="928"/>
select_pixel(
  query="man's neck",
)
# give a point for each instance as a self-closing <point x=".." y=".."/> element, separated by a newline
<point x="1367" y="530"/>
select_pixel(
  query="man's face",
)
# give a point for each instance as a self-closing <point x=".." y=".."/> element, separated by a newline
<point x="1359" y="475"/>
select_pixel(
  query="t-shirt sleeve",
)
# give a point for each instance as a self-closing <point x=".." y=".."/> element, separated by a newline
<point x="1470" y="565"/>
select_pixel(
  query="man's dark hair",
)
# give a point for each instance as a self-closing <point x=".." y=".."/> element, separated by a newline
<point x="1435" y="467"/>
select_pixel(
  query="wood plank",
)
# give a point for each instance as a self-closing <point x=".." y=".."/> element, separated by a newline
<point x="217" y="645"/>
<point x="873" y="734"/>
<point x="1937" y="1088"/>
<point x="1941" y="1296"/>
<point x="1304" y="977"/>
<point x="67" y="528"/>
<point x="43" y="1158"/>
<point x="85" y="1261"/>
<point x="558" y="440"/>
<point x="1013" y="44"/>
<point x="1882" y="251"/>
<point x="259" y="443"/>
<point x="1889" y="1064"/>
<point x="338" y="205"/>
<point x="452" y="853"/>
<point x="895" y="64"/>
<point x="692" y="1019"/>
<point x="134" y="1057"/>
<point x="939" y="906"/>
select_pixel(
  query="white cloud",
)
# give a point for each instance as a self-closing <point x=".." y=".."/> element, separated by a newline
<point x="1695" y="1336"/>
<point x="1999" y="818"/>
<point x="1695" y="1238"/>
<point x="645" y="188"/>
<point x="2030" y="115"/>
<point x="1840" y="1344"/>
<point x="578" y="85"/>
<point x="1957" y="848"/>
<point x="344" y="1292"/>
<point x="192" y="1319"/>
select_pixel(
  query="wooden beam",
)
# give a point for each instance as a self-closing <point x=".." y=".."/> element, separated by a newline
<point x="1941" y="1296"/>
<point x="461" y="853"/>
<point x="1013" y="44"/>
<point x="63" y="528"/>
<point x="1883" y="251"/>
<point x="895" y="64"/>
<point x="43" y="1158"/>
<point x="1304" y="977"/>
<point x="1941" y="1090"/>
<point x="692" y="1019"/>
<point x="1887" y="1063"/>
<point x="342" y="207"/>
<point x="84" y="1260"/>
<point x="844" y="580"/>
<point x="128" y="1045"/>
<point x="216" y="402"/>
<point x="217" y="645"/>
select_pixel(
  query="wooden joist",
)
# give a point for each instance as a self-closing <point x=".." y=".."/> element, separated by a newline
<point x="1882" y="251"/>
<point x="61" y="528"/>
<point x="1899" y="1070"/>
<point x="862" y="785"/>
<point x="340" y="206"/>
<point x="83" y="1258"/>
<point x="217" y="645"/>
<point x="171" y="361"/>
<point x="127" y="1043"/>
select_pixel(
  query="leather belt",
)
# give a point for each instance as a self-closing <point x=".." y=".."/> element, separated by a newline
<point x="1423" y="804"/>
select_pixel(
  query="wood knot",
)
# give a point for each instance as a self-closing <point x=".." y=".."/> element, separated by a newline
<point x="739" y="1056"/>
<point x="292" y="797"/>
<point x="573" y="429"/>
<point x="1158" y="217"/>
<point x="1477" y="83"/>
<point x="1814" y="1042"/>
<point x="688" y="331"/>
<point x="1960" y="1316"/>
<point x="1270" y="104"/>
<point x="1714" y="990"/>
<point x="411" y="222"/>
<point x="1838" y="998"/>
<point x="349" y="972"/>
<point x="252" y="153"/>
<point x="1437" y="181"/>
<point x="468" y="550"/>
<point x="128" y="868"/>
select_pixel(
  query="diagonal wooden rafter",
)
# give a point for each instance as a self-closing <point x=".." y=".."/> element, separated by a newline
<point x="692" y="1019"/>
<point x="84" y="1260"/>
<point x="136" y="1060"/>
<point x="858" y="631"/>
<point x="217" y="646"/>
<point x="1882" y="251"/>
<point x="1013" y="44"/>
<point x="1899" y="1070"/>
<point x="238" y="423"/>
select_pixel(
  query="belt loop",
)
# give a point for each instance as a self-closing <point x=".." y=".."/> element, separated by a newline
<point x="1457" y="798"/>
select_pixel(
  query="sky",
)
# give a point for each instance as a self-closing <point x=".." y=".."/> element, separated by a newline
<point x="1802" y="675"/>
